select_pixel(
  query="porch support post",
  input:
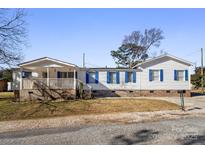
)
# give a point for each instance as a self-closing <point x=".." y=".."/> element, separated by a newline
<point x="48" y="76"/>
<point x="21" y="80"/>
<point x="74" y="86"/>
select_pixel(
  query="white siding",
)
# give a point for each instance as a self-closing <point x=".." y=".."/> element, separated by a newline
<point x="103" y="85"/>
<point x="168" y="83"/>
<point x="142" y="78"/>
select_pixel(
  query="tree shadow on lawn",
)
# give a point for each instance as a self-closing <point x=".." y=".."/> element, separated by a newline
<point x="137" y="138"/>
<point x="42" y="105"/>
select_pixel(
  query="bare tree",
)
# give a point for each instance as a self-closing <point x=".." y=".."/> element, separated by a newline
<point x="135" y="46"/>
<point x="13" y="36"/>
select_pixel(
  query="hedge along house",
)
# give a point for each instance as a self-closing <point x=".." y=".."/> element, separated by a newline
<point x="165" y="75"/>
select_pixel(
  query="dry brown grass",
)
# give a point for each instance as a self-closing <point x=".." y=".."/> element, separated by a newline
<point x="12" y="111"/>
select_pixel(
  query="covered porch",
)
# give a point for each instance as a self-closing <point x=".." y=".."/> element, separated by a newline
<point x="47" y="73"/>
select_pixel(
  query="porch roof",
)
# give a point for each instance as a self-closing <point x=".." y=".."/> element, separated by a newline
<point x="46" y="62"/>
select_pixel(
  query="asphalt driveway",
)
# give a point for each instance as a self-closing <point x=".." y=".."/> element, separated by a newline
<point x="189" y="130"/>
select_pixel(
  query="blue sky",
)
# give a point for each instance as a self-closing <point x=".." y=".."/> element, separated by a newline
<point x="66" y="33"/>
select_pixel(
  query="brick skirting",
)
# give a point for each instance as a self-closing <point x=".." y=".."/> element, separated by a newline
<point x="57" y="94"/>
<point x="33" y="95"/>
<point x="139" y="93"/>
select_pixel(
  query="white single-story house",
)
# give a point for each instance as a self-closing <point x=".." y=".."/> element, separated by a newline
<point x="165" y="75"/>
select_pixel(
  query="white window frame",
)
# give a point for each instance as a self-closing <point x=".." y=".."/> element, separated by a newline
<point x="131" y="77"/>
<point x="113" y="74"/>
<point x="178" y="75"/>
<point x="153" y="75"/>
<point x="69" y="76"/>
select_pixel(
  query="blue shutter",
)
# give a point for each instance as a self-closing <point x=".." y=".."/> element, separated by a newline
<point x="175" y="75"/>
<point x="126" y="77"/>
<point x="96" y="76"/>
<point x="134" y="76"/>
<point x="108" y="77"/>
<point x="87" y="77"/>
<point x="150" y="75"/>
<point x="117" y="77"/>
<point x="58" y="74"/>
<point x="186" y="75"/>
<point x="161" y="75"/>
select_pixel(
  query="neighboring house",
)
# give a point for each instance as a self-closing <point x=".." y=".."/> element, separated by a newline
<point x="165" y="75"/>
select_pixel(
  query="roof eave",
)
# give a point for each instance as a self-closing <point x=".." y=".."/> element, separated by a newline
<point x="46" y="58"/>
<point x="166" y="55"/>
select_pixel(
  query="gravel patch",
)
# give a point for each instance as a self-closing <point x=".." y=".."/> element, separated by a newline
<point x="189" y="130"/>
<point x="70" y="121"/>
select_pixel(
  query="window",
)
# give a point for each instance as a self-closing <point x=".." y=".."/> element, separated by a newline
<point x="180" y="75"/>
<point x="65" y="74"/>
<point x="91" y="77"/>
<point x="26" y="74"/>
<point x="130" y="76"/>
<point x="44" y="74"/>
<point x="155" y="75"/>
<point x="71" y="74"/>
<point x="113" y="77"/>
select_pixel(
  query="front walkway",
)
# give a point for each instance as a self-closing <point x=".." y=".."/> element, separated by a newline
<point x="195" y="106"/>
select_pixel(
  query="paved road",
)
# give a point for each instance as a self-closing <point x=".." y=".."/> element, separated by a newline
<point x="189" y="130"/>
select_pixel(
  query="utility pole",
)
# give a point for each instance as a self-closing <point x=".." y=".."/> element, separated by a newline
<point x="202" y="71"/>
<point x="83" y="60"/>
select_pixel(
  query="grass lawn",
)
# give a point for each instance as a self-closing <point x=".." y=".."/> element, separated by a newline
<point x="14" y="110"/>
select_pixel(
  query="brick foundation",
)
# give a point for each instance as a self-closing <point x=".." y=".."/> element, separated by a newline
<point x="139" y="93"/>
<point x="33" y="95"/>
<point x="57" y="94"/>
